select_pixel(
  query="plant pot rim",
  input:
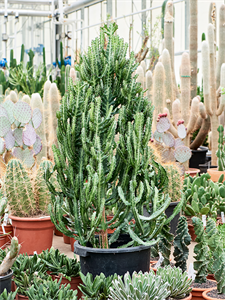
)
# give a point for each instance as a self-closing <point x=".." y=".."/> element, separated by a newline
<point x="205" y="296"/>
<point x="5" y="277"/>
<point x="28" y="219"/>
<point x="202" y="149"/>
<point x="189" y="297"/>
<point x="83" y="250"/>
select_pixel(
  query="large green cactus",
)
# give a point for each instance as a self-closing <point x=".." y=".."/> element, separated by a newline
<point x="19" y="189"/>
<point x="181" y="243"/>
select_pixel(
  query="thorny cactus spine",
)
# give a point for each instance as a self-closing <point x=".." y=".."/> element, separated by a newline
<point x="220" y="153"/>
<point x="181" y="243"/>
<point x="19" y="190"/>
<point x="201" y="251"/>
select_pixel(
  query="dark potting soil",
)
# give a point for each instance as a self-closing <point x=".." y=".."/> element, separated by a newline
<point x="172" y="265"/>
<point x="214" y="294"/>
<point x="178" y="299"/>
<point x="154" y="258"/>
<point x="208" y="284"/>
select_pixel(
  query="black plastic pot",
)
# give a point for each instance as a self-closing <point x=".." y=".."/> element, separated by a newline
<point x="113" y="260"/>
<point x="168" y="211"/>
<point x="198" y="157"/>
<point x="6" y="281"/>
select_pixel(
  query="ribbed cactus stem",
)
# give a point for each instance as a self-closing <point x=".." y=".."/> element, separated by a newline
<point x="36" y="102"/>
<point x="73" y="75"/>
<point x="149" y="85"/>
<point x="168" y="30"/>
<point x="19" y="190"/>
<point x="205" y="75"/>
<point x="212" y="20"/>
<point x="140" y="73"/>
<point x="193" y="115"/>
<point x="168" y="80"/>
<point x="222" y="98"/>
<point x="213" y="98"/>
<point x="10" y="256"/>
<point x="221" y="50"/>
<point x="193" y="45"/>
<point x="185" y="75"/>
<point x="143" y="64"/>
<point x="42" y="193"/>
<point x="47" y="110"/>
<point x="158" y="92"/>
<point x="54" y="102"/>
<point x="67" y="76"/>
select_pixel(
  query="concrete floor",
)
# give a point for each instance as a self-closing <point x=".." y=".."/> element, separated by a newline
<point x="66" y="249"/>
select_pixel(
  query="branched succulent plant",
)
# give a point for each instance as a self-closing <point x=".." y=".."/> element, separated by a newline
<point x="97" y="288"/>
<point x="201" y="251"/>
<point x="165" y="244"/>
<point x="179" y="284"/>
<point x="140" y="286"/>
<point x="220" y="153"/>
<point x="181" y="243"/>
<point x="49" y="289"/>
<point x="96" y="172"/>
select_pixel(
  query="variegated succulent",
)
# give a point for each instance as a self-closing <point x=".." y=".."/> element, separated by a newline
<point x="140" y="286"/>
<point x="179" y="284"/>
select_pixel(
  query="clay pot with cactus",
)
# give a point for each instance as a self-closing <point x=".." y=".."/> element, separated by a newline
<point x="28" y="198"/>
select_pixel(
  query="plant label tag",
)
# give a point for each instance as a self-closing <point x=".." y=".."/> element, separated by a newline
<point x="222" y="216"/>
<point x="3" y="229"/>
<point x="6" y="217"/>
<point x="35" y="252"/>
<point x="159" y="262"/>
<point x="204" y="220"/>
<point x="191" y="272"/>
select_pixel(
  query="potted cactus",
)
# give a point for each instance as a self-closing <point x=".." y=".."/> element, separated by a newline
<point x="103" y="160"/>
<point x="28" y="198"/>
<point x="216" y="173"/>
<point x="7" y="261"/>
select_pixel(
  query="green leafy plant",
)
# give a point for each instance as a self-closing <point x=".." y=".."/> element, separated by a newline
<point x="93" y="170"/>
<point x="26" y="269"/>
<point x="49" y="289"/>
<point x="97" y="288"/>
<point x="179" y="284"/>
<point x="8" y="296"/>
<point x="181" y="243"/>
<point x="140" y="286"/>
<point x="60" y="264"/>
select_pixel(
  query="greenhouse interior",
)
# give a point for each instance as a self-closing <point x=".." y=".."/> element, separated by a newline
<point x="112" y="150"/>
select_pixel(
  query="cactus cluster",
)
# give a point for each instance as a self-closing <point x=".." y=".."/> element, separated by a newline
<point x="181" y="243"/>
<point x="27" y="194"/>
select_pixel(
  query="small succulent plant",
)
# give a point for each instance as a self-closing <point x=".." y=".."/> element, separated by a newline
<point x="141" y="286"/>
<point x="18" y="123"/>
<point x="172" y="149"/>
<point x="97" y="288"/>
<point x="49" y="289"/>
<point x="179" y="284"/>
<point x="8" y="296"/>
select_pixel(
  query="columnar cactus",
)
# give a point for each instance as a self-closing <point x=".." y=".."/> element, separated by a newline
<point x="19" y="190"/>
<point x="220" y="153"/>
<point x="201" y="251"/>
<point x="209" y="88"/>
<point x="193" y="45"/>
<point x="221" y="48"/>
<point x="181" y="243"/>
<point x="165" y="244"/>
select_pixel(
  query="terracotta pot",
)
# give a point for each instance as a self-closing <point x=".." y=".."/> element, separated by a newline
<point x="188" y="297"/>
<point x="57" y="232"/>
<point x="192" y="232"/>
<point x="66" y="239"/>
<point x="72" y="241"/>
<point x="8" y="229"/>
<point x="21" y="297"/>
<point x="75" y="281"/>
<point x="215" y="174"/>
<point x="2" y="241"/>
<point x="197" y="293"/>
<point x="205" y="296"/>
<point x="192" y="172"/>
<point x="210" y="276"/>
<point x="34" y="234"/>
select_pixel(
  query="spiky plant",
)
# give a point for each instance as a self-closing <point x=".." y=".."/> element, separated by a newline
<point x="220" y="153"/>
<point x="165" y="244"/>
<point x="140" y="286"/>
<point x="93" y="170"/>
<point x="8" y="296"/>
<point x="181" y="243"/>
